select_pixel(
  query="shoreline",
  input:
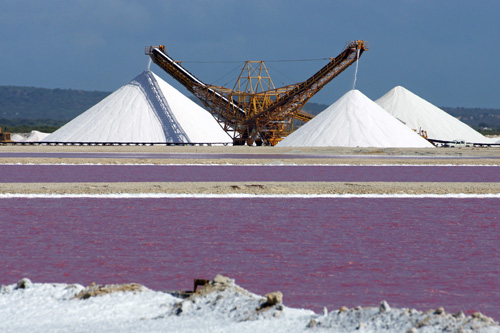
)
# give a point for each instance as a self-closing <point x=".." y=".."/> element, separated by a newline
<point x="253" y="188"/>
<point x="467" y="151"/>
<point x="252" y="161"/>
<point x="244" y="155"/>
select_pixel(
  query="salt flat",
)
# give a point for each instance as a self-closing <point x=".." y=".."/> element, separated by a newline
<point x="311" y="155"/>
<point x="41" y="307"/>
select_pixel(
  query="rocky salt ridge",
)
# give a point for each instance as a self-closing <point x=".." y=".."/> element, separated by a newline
<point x="220" y="305"/>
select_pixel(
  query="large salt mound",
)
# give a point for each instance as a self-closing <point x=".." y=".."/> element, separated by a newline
<point x="147" y="109"/>
<point x="418" y="114"/>
<point x="354" y="121"/>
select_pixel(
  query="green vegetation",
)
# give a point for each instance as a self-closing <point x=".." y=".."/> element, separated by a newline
<point x="492" y="132"/>
<point x="484" y="120"/>
<point x="23" y="109"/>
<point x="40" y="103"/>
<point x="27" y="125"/>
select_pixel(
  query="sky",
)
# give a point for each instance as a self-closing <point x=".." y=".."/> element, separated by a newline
<point x="445" y="51"/>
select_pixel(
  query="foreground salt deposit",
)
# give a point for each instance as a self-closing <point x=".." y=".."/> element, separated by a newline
<point x="418" y="114"/>
<point x="147" y="109"/>
<point x="354" y="121"/>
<point x="220" y="305"/>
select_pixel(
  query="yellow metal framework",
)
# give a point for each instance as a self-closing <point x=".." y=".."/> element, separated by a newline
<point x="4" y="136"/>
<point x="255" y="110"/>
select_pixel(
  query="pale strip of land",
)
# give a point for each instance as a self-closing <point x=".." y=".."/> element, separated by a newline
<point x="257" y="188"/>
<point x="248" y="161"/>
<point x="430" y="152"/>
<point x="327" y="156"/>
<point x="272" y="155"/>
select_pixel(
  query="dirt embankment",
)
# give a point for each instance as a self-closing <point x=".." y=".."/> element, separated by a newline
<point x="260" y="188"/>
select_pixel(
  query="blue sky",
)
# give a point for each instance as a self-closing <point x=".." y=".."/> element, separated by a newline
<point x="446" y="51"/>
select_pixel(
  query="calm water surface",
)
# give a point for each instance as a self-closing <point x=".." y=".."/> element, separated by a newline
<point x="420" y="253"/>
<point x="178" y="173"/>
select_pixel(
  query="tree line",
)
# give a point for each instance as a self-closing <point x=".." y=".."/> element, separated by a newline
<point x="23" y="109"/>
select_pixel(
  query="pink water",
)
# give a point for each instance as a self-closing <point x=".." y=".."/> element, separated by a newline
<point x="420" y="253"/>
<point x="177" y="173"/>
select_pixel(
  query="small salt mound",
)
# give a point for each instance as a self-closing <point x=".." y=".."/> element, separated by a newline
<point x="418" y="114"/>
<point x="35" y="136"/>
<point x="354" y="121"/>
<point x="147" y="109"/>
<point x="17" y="138"/>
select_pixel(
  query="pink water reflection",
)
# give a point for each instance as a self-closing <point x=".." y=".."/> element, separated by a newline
<point x="180" y="173"/>
<point x="420" y="253"/>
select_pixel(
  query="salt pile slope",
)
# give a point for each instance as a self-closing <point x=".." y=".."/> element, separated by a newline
<point x="418" y="114"/>
<point x="35" y="136"/>
<point x="17" y="138"/>
<point x="147" y="109"/>
<point x="354" y="121"/>
<point x="219" y="306"/>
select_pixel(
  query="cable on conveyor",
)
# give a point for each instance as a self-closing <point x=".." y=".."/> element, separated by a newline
<point x="240" y="61"/>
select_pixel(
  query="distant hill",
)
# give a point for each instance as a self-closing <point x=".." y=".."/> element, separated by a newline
<point x="27" y="108"/>
<point x="481" y="119"/>
<point x="42" y="103"/>
<point x="23" y="109"/>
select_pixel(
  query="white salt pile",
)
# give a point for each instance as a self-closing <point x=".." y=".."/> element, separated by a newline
<point x="219" y="306"/>
<point x="17" y="137"/>
<point x="34" y="136"/>
<point x="354" y="121"/>
<point x="147" y="109"/>
<point x="418" y="114"/>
